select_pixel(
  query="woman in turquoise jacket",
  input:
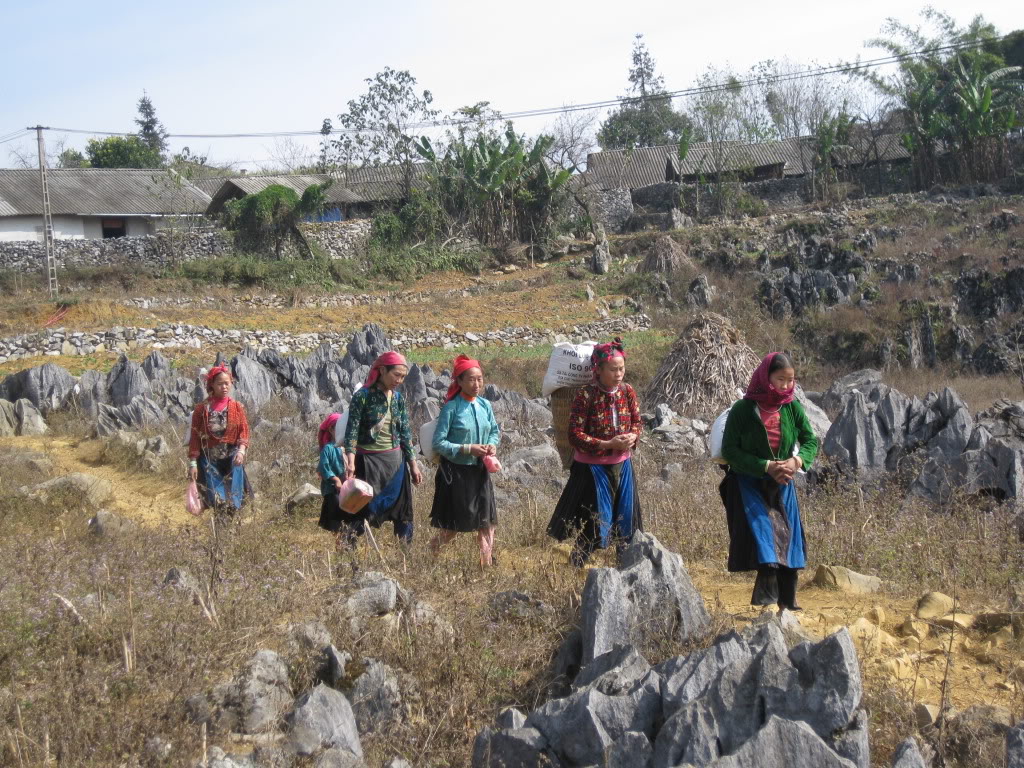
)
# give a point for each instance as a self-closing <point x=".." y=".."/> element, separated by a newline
<point x="466" y="434"/>
<point x="765" y="530"/>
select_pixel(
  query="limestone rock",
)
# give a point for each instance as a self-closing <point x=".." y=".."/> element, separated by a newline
<point x="376" y="698"/>
<point x="260" y="693"/>
<point x="845" y="580"/>
<point x="932" y="605"/>
<point x="126" y="381"/>
<point x="307" y="494"/>
<point x="1015" y="747"/>
<point x="511" y="748"/>
<point x="783" y="744"/>
<point x="907" y="755"/>
<point x="338" y="758"/>
<point x="323" y="719"/>
<point x="106" y="523"/>
<point x="84" y="489"/>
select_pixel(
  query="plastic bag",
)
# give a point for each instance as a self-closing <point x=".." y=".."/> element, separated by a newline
<point x="193" y="504"/>
<point x="354" y="495"/>
<point x="492" y="464"/>
<point x="569" y="366"/>
<point x="427" y="439"/>
<point x="717" y="433"/>
<point x="339" y="428"/>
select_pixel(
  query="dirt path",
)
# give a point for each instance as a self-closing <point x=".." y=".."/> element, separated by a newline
<point x="144" y="498"/>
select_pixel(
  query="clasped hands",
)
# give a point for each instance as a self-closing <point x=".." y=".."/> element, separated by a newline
<point x="782" y="471"/>
<point x="620" y="443"/>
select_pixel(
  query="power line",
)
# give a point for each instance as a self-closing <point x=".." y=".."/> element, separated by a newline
<point x="618" y="101"/>
<point x="12" y="136"/>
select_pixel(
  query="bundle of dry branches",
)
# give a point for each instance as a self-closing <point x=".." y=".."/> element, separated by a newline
<point x="707" y="364"/>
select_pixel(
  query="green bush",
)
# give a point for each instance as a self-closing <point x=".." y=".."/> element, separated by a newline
<point x="387" y="231"/>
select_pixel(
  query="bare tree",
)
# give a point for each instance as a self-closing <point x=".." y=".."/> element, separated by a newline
<point x="575" y="135"/>
<point x="289" y="156"/>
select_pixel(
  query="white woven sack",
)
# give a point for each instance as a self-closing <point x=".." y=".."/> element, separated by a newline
<point x="427" y="440"/>
<point x="569" y="366"/>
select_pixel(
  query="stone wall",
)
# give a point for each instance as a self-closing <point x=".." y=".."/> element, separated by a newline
<point x="339" y="240"/>
<point x="165" y="247"/>
<point x="611" y="207"/>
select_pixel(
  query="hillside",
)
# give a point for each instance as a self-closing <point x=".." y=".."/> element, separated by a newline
<point x="108" y="656"/>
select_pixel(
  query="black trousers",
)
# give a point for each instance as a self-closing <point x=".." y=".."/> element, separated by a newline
<point x="775" y="585"/>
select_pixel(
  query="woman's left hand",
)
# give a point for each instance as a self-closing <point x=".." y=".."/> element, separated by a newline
<point x="417" y="476"/>
<point x="240" y="456"/>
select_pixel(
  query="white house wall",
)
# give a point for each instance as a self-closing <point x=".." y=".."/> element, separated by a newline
<point x="21" y="228"/>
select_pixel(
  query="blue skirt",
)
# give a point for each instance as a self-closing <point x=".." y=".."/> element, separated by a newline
<point x="773" y="514"/>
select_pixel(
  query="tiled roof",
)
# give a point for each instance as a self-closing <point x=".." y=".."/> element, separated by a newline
<point x="98" y="191"/>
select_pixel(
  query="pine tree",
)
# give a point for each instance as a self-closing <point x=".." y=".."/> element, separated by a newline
<point x="151" y="130"/>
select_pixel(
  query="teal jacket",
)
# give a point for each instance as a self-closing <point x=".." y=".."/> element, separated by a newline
<point x="332" y="464"/>
<point x="464" y="423"/>
<point x="745" y="442"/>
<point x="365" y="412"/>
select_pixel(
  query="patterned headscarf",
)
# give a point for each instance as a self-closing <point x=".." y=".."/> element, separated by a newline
<point x="213" y="373"/>
<point x="325" y="434"/>
<point x="604" y="352"/>
<point x="761" y="391"/>
<point x="461" y="364"/>
<point x="385" y="360"/>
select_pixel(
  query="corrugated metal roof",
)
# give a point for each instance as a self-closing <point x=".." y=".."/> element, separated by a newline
<point x="641" y="167"/>
<point x="97" y="191"/>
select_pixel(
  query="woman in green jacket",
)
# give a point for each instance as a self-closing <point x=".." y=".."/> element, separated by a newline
<point x="765" y="530"/>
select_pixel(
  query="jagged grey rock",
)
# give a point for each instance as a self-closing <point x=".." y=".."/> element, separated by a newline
<point x="260" y="693"/>
<point x="649" y="596"/>
<point x="140" y="413"/>
<point x="907" y="755"/>
<point x="854" y="743"/>
<point x="510" y="718"/>
<point x="309" y="636"/>
<point x="519" y="606"/>
<point x="687" y="678"/>
<point x="218" y="758"/>
<point x="376" y="598"/>
<point x="631" y="750"/>
<point x="8" y="419"/>
<point x="46" y="386"/>
<point x="1015" y="747"/>
<point x="331" y="669"/>
<point x="21" y="418"/>
<point x="376" y="698"/>
<point x="368" y="344"/>
<point x="863" y="381"/>
<point x="323" y="719"/>
<point x="106" y="523"/>
<point x="511" y="748"/>
<point x="254" y="384"/>
<point x="783" y="744"/>
<point x="126" y="381"/>
<point x="156" y="366"/>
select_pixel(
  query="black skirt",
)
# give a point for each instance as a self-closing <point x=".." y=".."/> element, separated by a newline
<point x="577" y="514"/>
<point x="463" y="498"/>
<point x="377" y="469"/>
<point x="331" y="513"/>
<point x="742" y="548"/>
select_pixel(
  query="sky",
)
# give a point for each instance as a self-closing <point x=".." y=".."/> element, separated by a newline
<point x="220" y="66"/>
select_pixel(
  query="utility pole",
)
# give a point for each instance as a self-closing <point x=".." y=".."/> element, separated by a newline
<point x="51" y="259"/>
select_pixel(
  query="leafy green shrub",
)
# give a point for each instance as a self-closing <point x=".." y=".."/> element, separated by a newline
<point x="387" y="231"/>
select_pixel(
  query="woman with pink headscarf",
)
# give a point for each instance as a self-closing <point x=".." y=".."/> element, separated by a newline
<point x="600" y="504"/>
<point x="766" y="532"/>
<point x="378" y="449"/>
<point x="218" y="441"/>
<point x="466" y="439"/>
<point x="331" y="470"/>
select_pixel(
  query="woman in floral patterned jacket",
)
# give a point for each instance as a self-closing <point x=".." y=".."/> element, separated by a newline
<point x="600" y="503"/>
<point x="378" y="449"/>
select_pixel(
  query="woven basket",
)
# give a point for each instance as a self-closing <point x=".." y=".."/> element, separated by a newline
<point x="561" y="405"/>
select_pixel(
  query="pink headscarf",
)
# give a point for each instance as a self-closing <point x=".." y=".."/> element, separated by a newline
<point x="388" y="358"/>
<point x="462" y="364"/>
<point x="216" y="371"/>
<point x="325" y="434"/>
<point x="604" y="352"/>
<point x="761" y="390"/>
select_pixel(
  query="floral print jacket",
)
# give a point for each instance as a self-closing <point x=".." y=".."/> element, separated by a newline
<point x="367" y="408"/>
<point x="598" y="415"/>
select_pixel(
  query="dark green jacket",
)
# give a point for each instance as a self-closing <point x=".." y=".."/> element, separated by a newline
<point x="745" y="442"/>
<point x="367" y="408"/>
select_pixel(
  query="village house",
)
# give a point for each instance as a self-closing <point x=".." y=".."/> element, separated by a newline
<point x="95" y="203"/>
<point x="354" y="193"/>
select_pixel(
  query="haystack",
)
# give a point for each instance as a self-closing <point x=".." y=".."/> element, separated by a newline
<point x="707" y="364"/>
<point x="667" y="256"/>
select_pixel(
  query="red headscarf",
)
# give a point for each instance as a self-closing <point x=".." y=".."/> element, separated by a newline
<point x="216" y="371"/>
<point x="462" y="364"/>
<point x="325" y="434"/>
<point x="604" y="352"/>
<point x="388" y="358"/>
<point x="761" y="390"/>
